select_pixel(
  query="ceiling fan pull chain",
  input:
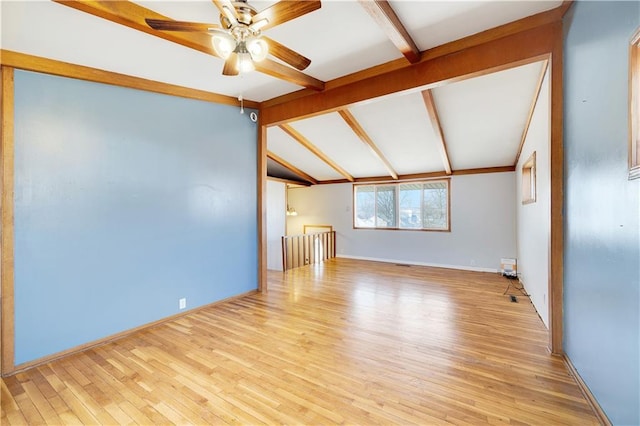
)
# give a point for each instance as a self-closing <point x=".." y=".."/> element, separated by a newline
<point x="241" y="104"/>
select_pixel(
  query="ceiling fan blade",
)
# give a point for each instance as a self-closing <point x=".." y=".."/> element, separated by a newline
<point x="164" y="25"/>
<point x="226" y="8"/>
<point x="284" y="11"/>
<point x="231" y="65"/>
<point x="287" y="55"/>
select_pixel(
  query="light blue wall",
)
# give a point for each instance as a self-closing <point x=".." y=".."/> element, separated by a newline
<point x="602" y="234"/>
<point x="125" y="201"/>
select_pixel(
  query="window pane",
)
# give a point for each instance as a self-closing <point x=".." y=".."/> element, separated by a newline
<point x="365" y="206"/>
<point x="529" y="180"/>
<point x="386" y="206"/>
<point x="411" y="205"/>
<point x="435" y="205"/>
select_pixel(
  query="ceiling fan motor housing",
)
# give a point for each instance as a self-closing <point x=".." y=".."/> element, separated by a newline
<point x="244" y="14"/>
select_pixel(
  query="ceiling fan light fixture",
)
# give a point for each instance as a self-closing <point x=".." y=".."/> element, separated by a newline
<point x="223" y="44"/>
<point x="238" y="39"/>
<point x="258" y="48"/>
<point x="245" y="63"/>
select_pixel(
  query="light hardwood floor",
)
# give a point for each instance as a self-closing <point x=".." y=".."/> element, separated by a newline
<point x="342" y="342"/>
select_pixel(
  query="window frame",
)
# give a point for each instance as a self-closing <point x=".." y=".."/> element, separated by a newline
<point x="529" y="180"/>
<point x="397" y="184"/>
<point x="634" y="106"/>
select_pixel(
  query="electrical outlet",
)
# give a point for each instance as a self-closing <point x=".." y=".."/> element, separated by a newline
<point x="182" y="303"/>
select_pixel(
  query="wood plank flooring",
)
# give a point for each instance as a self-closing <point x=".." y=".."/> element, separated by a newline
<point x="346" y="341"/>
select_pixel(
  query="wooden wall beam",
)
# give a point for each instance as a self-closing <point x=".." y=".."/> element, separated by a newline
<point x="262" y="207"/>
<point x="7" y="329"/>
<point x="556" y="250"/>
<point x="64" y="69"/>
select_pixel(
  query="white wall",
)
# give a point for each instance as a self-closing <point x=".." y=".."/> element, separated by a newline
<point x="534" y="220"/>
<point x="482" y="225"/>
<point x="276" y="214"/>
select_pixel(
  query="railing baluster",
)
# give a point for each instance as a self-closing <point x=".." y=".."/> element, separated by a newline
<point x="327" y="253"/>
<point x="307" y="246"/>
<point x="324" y="246"/>
<point x="284" y="253"/>
<point x="294" y="253"/>
<point x="333" y="238"/>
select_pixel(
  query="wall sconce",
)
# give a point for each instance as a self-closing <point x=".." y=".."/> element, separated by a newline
<point x="291" y="211"/>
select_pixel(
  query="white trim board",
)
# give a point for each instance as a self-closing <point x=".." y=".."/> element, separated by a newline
<point x="433" y="265"/>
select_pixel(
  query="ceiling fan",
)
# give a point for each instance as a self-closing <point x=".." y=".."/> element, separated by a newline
<point x="239" y="40"/>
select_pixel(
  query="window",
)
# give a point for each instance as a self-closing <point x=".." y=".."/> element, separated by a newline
<point x="411" y="205"/>
<point x="634" y="107"/>
<point x="529" y="180"/>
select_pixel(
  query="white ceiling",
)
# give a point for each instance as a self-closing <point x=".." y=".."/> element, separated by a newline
<point x="482" y="118"/>
<point x="403" y="132"/>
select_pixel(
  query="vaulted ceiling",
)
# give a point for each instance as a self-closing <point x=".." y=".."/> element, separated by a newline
<point x="456" y="126"/>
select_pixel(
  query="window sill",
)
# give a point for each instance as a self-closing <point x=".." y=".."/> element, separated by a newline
<point x="401" y="229"/>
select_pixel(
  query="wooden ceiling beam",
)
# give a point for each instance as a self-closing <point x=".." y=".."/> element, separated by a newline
<point x="364" y="137"/>
<point x="311" y="147"/>
<point x="532" y="108"/>
<point x="289" y="182"/>
<point x="133" y="16"/>
<point x="291" y="167"/>
<point x="427" y="175"/>
<point x="504" y="53"/>
<point x="506" y="31"/>
<point x="427" y="96"/>
<point x="382" y="12"/>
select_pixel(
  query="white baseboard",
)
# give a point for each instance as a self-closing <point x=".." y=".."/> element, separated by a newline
<point x="410" y="262"/>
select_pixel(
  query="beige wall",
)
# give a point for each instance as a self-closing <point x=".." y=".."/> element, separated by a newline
<point x="482" y="225"/>
<point x="276" y="209"/>
<point x="534" y="220"/>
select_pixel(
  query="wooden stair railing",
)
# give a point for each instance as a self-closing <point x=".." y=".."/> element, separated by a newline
<point x="306" y="249"/>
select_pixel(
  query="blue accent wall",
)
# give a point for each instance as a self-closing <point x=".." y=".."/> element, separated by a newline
<point x="125" y="202"/>
<point x="602" y="210"/>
